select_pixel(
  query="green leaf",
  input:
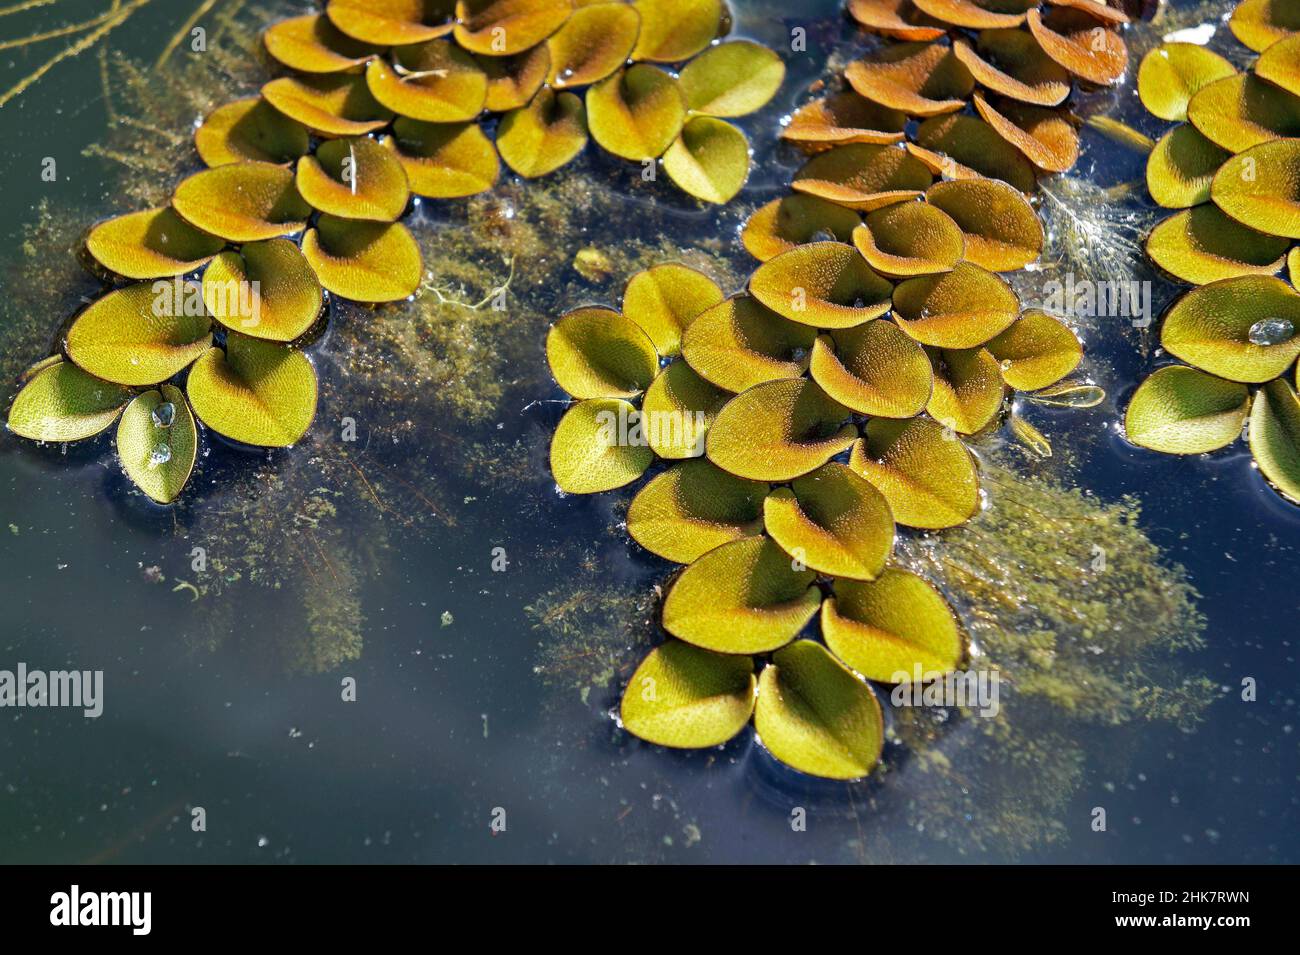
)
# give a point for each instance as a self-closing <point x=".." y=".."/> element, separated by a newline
<point x="963" y="308"/>
<point x="141" y="334"/>
<point x="364" y="261"/>
<point x="544" y="135"/>
<point x="636" y="113"/>
<point x="709" y="159"/>
<point x="732" y="79"/>
<point x="968" y="388"/>
<point x="742" y="597"/>
<point x="822" y="284"/>
<point x="887" y="628"/>
<point x="1260" y="187"/>
<point x="1202" y="245"/>
<point x="266" y="290"/>
<point x="833" y="521"/>
<point x="874" y="369"/>
<point x="597" y="446"/>
<point x="688" y="698"/>
<point x="60" y="402"/>
<point x="1275" y="437"/>
<point x="1182" y="166"/>
<point x="665" y="299"/>
<point x="813" y="714"/>
<point x="779" y="430"/>
<point x="694" y="507"/>
<point x="243" y="202"/>
<point x="923" y="469"/>
<point x="1210" y="327"/>
<point x="1173" y="73"/>
<point x="1036" y="351"/>
<point x="255" y="392"/>
<point x="1179" y="410"/>
<point x="153" y="244"/>
<point x="598" y="353"/>
<point x="740" y="343"/>
<point x="678" y="409"/>
<point x="676" y="30"/>
<point x="157" y="442"/>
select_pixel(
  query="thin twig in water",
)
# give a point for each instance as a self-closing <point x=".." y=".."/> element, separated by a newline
<point x="27" y="5"/>
<point x="183" y="32"/>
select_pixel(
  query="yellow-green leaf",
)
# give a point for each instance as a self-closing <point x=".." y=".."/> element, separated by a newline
<point x="740" y="343"/>
<point x="1202" y="245"/>
<point x="364" y="261"/>
<point x="435" y="82"/>
<point x="666" y="299"/>
<point x="1242" y="329"/>
<point x="266" y="290"/>
<point x="636" y="113"/>
<point x="792" y="220"/>
<point x="254" y="392"/>
<point x="514" y="80"/>
<point x="141" y="334"/>
<point x="391" y="22"/>
<point x="60" y="402"/>
<point x="157" y="443"/>
<point x="311" y="44"/>
<point x="1000" y="230"/>
<point x="1037" y="350"/>
<point x="444" y="160"/>
<point x="923" y="469"/>
<point x="874" y="369"/>
<point x="1261" y="23"/>
<point x="694" y="507"/>
<point x="959" y="309"/>
<point x="863" y="176"/>
<point x="243" y="202"/>
<point x="506" y="27"/>
<point x="354" y="179"/>
<point x="250" y="130"/>
<point x="1182" y="166"/>
<point x="909" y="238"/>
<point x="966" y="147"/>
<point x="544" y="135"/>
<point x="822" y="284"/>
<point x="675" y="30"/>
<point x="598" y="353"/>
<point x="594" y="42"/>
<point x="1179" y="410"/>
<point x="597" y="446"/>
<point x="742" y="597"/>
<point x="833" y="521"/>
<point x="153" y="244"/>
<point x="732" y="79"/>
<point x="968" y="388"/>
<point x="813" y="714"/>
<point x="685" y="697"/>
<point x="1242" y="111"/>
<point x="709" y="159"/>
<point x="1275" y="437"/>
<point x="330" y="105"/>
<point x="889" y="628"/>
<point x="1260" y="188"/>
<point x="779" y="430"/>
<point x="1171" y="74"/>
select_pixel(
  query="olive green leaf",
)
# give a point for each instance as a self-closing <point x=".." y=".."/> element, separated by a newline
<point x="863" y="176"/>
<point x="732" y="79"/>
<point x="709" y="159"/>
<point x="739" y="343"/>
<point x="1000" y="230"/>
<point x="963" y="308"/>
<point x="157" y="443"/>
<point x="434" y="82"/>
<point x="364" y="261"/>
<point x="266" y="290"/>
<point x="141" y="334"/>
<point x="1037" y="350"/>
<point x="254" y="392"/>
<point x="1275" y="437"/>
<point x="676" y="30"/>
<point x="1202" y="245"/>
<point x="1260" y="187"/>
<point x="968" y="388"/>
<point x="354" y="178"/>
<point x="694" y="507"/>
<point x="1242" y="111"/>
<point x="678" y="409"/>
<point x="925" y="472"/>
<point x="391" y="22"/>
<point x="60" y="402"/>
<point x="598" y="353"/>
<point x="505" y="27"/>
<point x="330" y="105"/>
<point x="250" y="130"/>
<point x="1179" y="410"/>
<point x="793" y="220"/>
<point x="666" y="299"/>
<point x="597" y="447"/>
<point x="1242" y="329"/>
<point x="741" y="597"/>
<point x="689" y="698"/>
<point x="153" y="244"/>
<point x="444" y="160"/>
<point x="595" y="41"/>
<point x="909" y="238"/>
<point x="874" y="369"/>
<point x="311" y="44"/>
<point x="1182" y="166"/>
<point x="636" y="113"/>
<point x="1171" y="74"/>
<point x="514" y="80"/>
<point x="958" y="141"/>
<point x="243" y="202"/>
<point x="1261" y="23"/>
<point x="813" y="714"/>
<point x="822" y="284"/>
<point x="887" y="628"/>
<point x="544" y="135"/>
<point x="779" y="430"/>
<point x="1280" y="64"/>
<point x="833" y="521"/>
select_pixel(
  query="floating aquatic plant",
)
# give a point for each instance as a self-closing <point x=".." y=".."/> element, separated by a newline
<point x="799" y="426"/>
<point x="1231" y="168"/>
<point x="306" y="184"/>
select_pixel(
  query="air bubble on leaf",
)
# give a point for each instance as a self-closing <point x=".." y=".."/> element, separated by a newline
<point x="1271" y="331"/>
<point x="164" y="415"/>
<point x="161" y="455"/>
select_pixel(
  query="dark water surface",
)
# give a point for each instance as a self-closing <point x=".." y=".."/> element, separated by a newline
<point x="453" y="719"/>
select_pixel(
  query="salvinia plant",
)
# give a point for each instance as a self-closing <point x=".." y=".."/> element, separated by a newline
<point x="211" y="300"/>
<point x="1232" y="166"/>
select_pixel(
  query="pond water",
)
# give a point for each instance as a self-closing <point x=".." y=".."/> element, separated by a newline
<point x="480" y="690"/>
